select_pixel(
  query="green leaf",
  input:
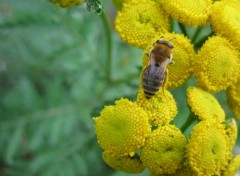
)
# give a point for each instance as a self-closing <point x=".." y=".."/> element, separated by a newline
<point x="14" y="143"/>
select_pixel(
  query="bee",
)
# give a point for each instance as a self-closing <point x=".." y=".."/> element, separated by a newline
<point x="154" y="74"/>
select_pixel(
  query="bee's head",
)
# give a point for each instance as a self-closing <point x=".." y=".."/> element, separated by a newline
<point x="164" y="42"/>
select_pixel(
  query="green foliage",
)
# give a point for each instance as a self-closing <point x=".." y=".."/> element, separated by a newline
<point x="58" y="68"/>
<point x="52" y="78"/>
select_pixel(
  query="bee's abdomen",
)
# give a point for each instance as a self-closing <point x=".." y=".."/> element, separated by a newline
<point x="151" y="85"/>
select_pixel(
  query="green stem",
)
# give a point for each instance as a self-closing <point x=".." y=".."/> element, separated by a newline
<point x="198" y="31"/>
<point x="183" y="29"/>
<point x="191" y="118"/>
<point x="108" y="34"/>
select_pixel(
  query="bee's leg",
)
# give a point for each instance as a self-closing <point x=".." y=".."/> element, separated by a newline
<point x="146" y="53"/>
<point x="165" y="81"/>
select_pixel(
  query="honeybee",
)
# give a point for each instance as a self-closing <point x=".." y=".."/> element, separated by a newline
<point x="154" y="74"/>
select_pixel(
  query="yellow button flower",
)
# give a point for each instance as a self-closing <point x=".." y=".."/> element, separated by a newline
<point x="225" y="20"/>
<point x="67" y="3"/>
<point x="122" y="129"/>
<point x="183" y="56"/>
<point x="233" y="166"/>
<point x="160" y="109"/>
<point x="182" y="172"/>
<point x="234" y="98"/>
<point x="119" y="3"/>
<point x="231" y="129"/>
<point x="207" y="150"/>
<point x="192" y="13"/>
<point x="164" y="150"/>
<point x="123" y="163"/>
<point x="217" y="65"/>
<point x="204" y="105"/>
<point x="139" y="21"/>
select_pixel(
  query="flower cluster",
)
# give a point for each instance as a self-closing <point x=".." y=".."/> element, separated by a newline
<point x="135" y="135"/>
<point x="141" y="134"/>
<point x="216" y="65"/>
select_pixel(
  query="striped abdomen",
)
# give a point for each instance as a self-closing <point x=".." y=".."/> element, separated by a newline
<point x="152" y="78"/>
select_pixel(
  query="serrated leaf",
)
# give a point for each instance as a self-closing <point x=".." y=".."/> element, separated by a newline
<point x="42" y="160"/>
<point x="80" y="165"/>
<point x="55" y="132"/>
<point x="38" y="132"/>
<point x="67" y="168"/>
<point x="14" y="143"/>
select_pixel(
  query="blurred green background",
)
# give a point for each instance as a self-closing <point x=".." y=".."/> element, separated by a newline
<point x="53" y="64"/>
<point x="55" y="75"/>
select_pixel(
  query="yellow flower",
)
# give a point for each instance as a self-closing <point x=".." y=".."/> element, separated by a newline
<point x="207" y="150"/>
<point x="185" y="172"/>
<point x="119" y="3"/>
<point x="139" y="21"/>
<point x="233" y="166"/>
<point x="160" y="109"/>
<point x="231" y="129"/>
<point x="181" y="172"/>
<point x="164" y="150"/>
<point x="183" y="56"/>
<point x="67" y="3"/>
<point x="234" y="98"/>
<point x="122" y="129"/>
<point x="123" y="163"/>
<point x="217" y="65"/>
<point x="204" y="105"/>
<point x="225" y="20"/>
<point x="192" y="13"/>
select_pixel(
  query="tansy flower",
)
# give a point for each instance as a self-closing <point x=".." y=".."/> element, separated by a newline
<point x="183" y="56"/>
<point x="123" y="163"/>
<point x="217" y="65"/>
<point x="139" y="21"/>
<point x="233" y="166"/>
<point x="186" y="171"/>
<point x="119" y="3"/>
<point x="207" y="150"/>
<point x="231" y="129"/>
<point x="160" y="109"/>
<point x="164" y="150"/>
<point x="204" y="105"/>
<point x="192" y="13"/>
<point x="225" y="20"/>
<point x="122" y="129"/>
<point x="67" y="3"/>
<point x="234" y="98"/>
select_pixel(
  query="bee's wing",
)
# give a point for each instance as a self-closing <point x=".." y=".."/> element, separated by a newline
<point x="158" y="69"/>
<point x="165" y="63"/>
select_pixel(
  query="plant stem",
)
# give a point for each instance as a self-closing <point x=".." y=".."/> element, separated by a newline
<point x="108" y="34"/>
<point x="183" y="29"/>
<point x="191" y="118"/>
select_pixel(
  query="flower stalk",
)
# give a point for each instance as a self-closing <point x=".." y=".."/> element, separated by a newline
<point x="108" y="34"/>
<point x="191" y="118"/>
